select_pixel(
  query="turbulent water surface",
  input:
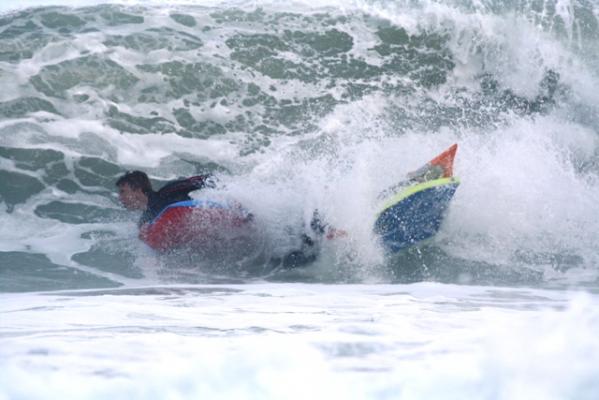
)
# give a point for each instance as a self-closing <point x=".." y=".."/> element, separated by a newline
<point x="297" y="107"/>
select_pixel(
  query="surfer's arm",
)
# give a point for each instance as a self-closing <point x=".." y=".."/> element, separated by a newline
<point x="184" y="186"/>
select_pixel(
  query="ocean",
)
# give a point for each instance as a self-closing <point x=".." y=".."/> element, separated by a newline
<point x="296" y="107"/>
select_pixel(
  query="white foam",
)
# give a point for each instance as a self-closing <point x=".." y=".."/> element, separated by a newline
<point x="519" y="191"/>
<point x="298" y="341"/>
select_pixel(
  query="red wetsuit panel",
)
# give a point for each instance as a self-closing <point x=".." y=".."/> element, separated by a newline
<point x="190" y="226"/>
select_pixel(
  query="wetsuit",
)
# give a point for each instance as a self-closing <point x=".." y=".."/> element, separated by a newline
<point x="170" y="193"/>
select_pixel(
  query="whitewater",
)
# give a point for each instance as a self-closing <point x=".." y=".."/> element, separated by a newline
<point x="296" y="107"/>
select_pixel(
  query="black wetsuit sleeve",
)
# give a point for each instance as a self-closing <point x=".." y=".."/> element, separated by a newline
<point x="182" y="187"/>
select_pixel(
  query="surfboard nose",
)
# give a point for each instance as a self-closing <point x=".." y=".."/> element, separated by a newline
<point x="445" y="161"/>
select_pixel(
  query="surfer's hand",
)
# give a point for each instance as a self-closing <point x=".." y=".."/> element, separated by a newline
<point x="333" y="233"/>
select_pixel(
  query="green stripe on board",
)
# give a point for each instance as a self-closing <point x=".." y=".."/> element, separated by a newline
<point x="417" y="188"/>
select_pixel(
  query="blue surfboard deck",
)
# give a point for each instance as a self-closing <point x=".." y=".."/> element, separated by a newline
<point x="414" y="214"/>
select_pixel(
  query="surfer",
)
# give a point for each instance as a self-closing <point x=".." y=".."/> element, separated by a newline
<point x="136" y="193"/>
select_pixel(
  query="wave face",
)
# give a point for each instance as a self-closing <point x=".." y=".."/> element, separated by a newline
<point x="302" y="108"/>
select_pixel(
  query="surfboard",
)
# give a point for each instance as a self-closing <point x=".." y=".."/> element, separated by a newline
<point x="413" y="209"/>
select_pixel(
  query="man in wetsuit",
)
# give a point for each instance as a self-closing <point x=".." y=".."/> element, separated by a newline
<point x="136" y="193"/>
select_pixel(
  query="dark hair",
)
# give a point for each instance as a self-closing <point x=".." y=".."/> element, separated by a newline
<point x="136" y="180"/>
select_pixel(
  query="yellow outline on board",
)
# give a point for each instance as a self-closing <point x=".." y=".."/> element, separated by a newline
<point x="410" y="190"/>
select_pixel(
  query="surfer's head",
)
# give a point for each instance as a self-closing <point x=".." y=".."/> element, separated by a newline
<point x="134" y="187"/>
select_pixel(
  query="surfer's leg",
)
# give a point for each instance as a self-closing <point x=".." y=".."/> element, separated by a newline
<point x="317" y="224"/>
